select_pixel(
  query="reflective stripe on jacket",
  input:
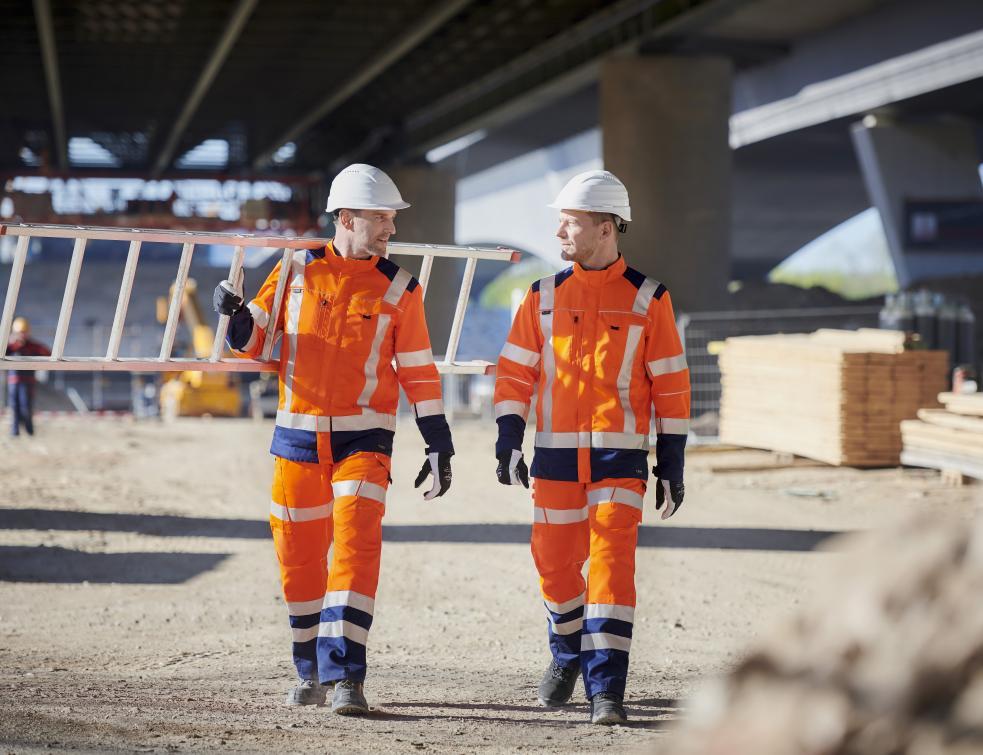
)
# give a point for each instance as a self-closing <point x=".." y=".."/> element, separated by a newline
<point x="343" y="322"/>
<point x="600" y="347"/>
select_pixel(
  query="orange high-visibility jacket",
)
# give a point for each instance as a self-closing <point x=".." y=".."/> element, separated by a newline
<point x="601" y="349"/>
<point x="343" y="322"/>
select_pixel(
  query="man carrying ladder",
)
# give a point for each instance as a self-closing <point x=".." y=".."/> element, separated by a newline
<point x="347" y="313"/>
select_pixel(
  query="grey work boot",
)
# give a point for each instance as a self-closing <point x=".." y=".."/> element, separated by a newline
<point x="557" y="685"/>
<point x="308" y="692"/>
<point x="607" y="709"/>
<point x="349" y="700"/>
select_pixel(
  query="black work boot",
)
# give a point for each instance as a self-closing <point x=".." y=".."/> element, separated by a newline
<point x="607" y="709"/>
<point x="349" y="699"/>
<point x="557" y="685"/>
<point x="308" y="692"/>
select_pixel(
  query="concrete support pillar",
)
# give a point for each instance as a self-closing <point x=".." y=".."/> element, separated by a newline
<point x="664" y="125"/>
<point x="430" y="220"/>
<point x="924" y="180"/>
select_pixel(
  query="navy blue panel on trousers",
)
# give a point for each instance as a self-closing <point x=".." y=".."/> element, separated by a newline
<point x="555" y="464"/>
<point x="565" y="644"/>
<point x="294" y="445"/>
<point x="305" y="653"/>
<point x="617" y="462"/>
<point x="340" y="656"/>
<point x="604" y="671"/>
<point x="348" y="442"/>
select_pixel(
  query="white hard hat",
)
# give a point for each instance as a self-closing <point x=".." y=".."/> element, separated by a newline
<point x="364" y="187"/>
<point x="594" y="191"/>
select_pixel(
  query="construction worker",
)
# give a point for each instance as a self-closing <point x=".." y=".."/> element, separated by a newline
<point x="598" y="342"/>
<point x="21" y="383"/>
<point x="347" y="313"/>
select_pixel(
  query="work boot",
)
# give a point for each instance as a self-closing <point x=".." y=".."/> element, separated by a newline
<point x="557" y="685"/>
<point x="308" y="692"/>
<point x="607" y="709"/>
<point x="349" y="700"/>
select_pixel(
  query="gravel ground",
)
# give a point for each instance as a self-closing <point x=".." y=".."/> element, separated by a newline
<point x="140" y="608"/>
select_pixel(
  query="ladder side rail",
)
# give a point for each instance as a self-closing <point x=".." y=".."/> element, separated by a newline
<point x="425" y="269"/>
<point x="123" y="303"/>
<point x="153" y="364"/>
<point x="286" y="270"/>
<point x="13" y="290"/>
<point x="68" y="300"/>
<point x="240" y="239"/>
<point x="174" y="313"/>
<point x="222" y="328"/>
<point x="462" y="306"/>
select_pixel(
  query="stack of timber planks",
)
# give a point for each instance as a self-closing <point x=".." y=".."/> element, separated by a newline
<point x="834" y="396"/>
<point x="947" y="439"/>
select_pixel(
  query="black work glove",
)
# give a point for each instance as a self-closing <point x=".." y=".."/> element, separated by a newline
<point x="441" y="478"/>
<point x="668" y="490"/>
<point x="512" y="469"/>
<point x="227" y="298"/>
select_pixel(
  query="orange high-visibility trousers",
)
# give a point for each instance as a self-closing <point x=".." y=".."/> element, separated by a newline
<point x="330" y="607"/>
<point x="589" y="622"/>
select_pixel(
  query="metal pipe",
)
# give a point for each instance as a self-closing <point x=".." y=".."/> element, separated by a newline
<point x="125" y="289"/>
<point x="228" y="39"/>
<point x="68" y="300"/>
<point x="395" y="50"/>
<point x="49" y="56"/>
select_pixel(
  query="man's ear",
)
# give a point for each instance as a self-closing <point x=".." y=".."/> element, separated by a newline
<point x="607" y="229"/>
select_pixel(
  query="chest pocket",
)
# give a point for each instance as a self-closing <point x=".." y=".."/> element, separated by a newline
<point x="620" y="341"/>
<point x="567" y="331"/>
<point x="368" y="327"/>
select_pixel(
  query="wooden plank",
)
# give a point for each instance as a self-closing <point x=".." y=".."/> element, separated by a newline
<point x="935" y="460"/>
<point x="963" y="403"/>
<point x="948" y="419"/>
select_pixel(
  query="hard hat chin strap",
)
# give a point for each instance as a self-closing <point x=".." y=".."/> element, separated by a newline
<point x="621" y="225"/>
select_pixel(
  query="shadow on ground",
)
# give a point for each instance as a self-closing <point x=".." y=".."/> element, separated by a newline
<point x="721" y="538"/>
<point x="65" y="566"/>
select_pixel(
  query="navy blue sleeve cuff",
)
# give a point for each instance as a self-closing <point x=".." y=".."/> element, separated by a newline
<point x="436" y="434"/>
<point x="240" y="328"/>
<point x="669" y="456"/>
<point x="511" y="429"/>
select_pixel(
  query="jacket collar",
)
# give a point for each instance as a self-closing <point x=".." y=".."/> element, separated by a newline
<point x="601" y="277"/>
<point x="340" y="264"/>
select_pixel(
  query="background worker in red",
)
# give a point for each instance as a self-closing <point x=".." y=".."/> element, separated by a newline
<point x="598" y="343"/>
<point x="347" y="314"/>
<point x="21" y="383"/>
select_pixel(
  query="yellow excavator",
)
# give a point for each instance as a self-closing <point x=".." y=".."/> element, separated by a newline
<point x="193" y="393"/>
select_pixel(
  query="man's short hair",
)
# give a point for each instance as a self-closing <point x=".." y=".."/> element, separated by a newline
<point x="600" y="217"/>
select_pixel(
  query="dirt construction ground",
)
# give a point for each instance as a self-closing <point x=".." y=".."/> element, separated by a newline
<point x="140" y="607"/>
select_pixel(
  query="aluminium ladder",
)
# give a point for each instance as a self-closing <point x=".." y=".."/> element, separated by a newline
<point x="163" y="361"/>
